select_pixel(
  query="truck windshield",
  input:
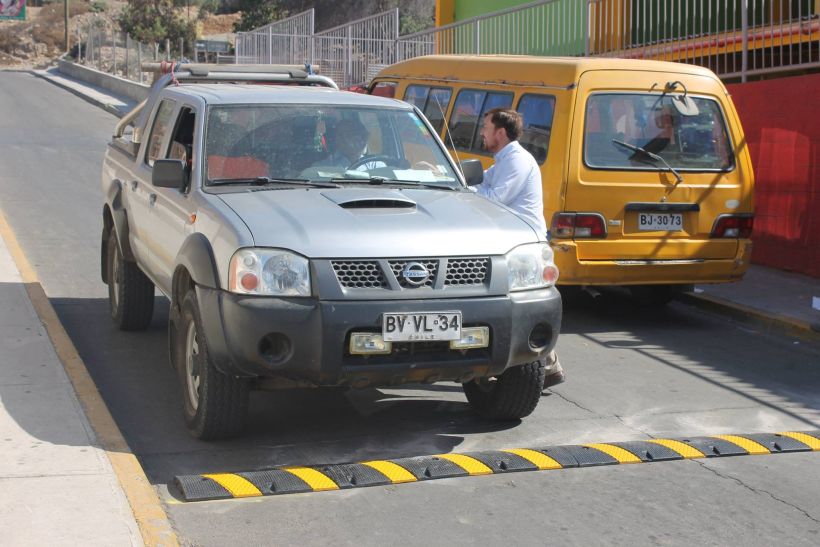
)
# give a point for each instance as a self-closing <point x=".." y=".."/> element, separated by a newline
<point x="617" y="124"/>
<point x="323" y="143"/>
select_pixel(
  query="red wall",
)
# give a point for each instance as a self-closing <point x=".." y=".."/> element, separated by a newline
<point x="781" y="119"/>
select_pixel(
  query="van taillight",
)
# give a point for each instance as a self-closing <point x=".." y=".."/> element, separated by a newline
<point x="739" y="226"/>
<point x="578" y="226"/>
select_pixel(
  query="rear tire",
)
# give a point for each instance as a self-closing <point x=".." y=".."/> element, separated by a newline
<point x="215" y="405"/>
<point x="130" y="292"/>
<point x="510" y="396"/>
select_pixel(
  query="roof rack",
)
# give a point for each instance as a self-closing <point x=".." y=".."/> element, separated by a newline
<point x="167" y="73"/>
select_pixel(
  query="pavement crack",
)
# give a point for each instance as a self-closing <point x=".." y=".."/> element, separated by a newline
<point x="757" y="491"/>
<point x="570" y="401"/>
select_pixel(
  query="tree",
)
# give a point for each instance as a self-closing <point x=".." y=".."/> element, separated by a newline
<point x="156" y="21"/>
<point x="257" y="13"/>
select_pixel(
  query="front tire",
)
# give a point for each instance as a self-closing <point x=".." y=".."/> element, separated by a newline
<point x="130" y="292"/>
<point x="215" y="405"/>
<point x="511" y="396"/>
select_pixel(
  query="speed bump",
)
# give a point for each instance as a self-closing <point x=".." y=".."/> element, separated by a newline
<point x="295" y="480"/>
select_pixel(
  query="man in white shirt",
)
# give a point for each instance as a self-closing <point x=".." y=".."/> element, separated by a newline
<point x="515" y="181"/>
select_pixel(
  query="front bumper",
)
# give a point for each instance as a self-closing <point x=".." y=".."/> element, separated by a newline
<point x="310" y="337"/>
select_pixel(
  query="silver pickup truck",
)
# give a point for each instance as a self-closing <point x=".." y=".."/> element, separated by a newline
<point x="311" y="237"/>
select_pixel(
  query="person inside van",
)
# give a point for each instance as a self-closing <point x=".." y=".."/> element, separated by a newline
<point x="515" y="181"/>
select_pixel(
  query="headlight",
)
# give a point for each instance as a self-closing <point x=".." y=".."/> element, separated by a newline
<point x="269" y="272"/>
<point x="531" y="267"/>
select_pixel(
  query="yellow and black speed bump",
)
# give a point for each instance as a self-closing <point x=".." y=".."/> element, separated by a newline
<point x="294" y="480"/>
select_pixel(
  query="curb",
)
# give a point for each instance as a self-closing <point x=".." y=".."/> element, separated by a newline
<point x="768" y="321"/>
<point x="108" y="107"/>
<point x="154" y="525"/>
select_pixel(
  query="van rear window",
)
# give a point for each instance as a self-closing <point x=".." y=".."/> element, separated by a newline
<point x="619" y="124"/>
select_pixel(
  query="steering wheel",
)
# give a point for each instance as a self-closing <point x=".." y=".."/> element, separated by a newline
<point x="387" y="160"/>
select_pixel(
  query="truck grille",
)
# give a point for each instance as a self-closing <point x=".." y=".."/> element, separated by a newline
<point x="357" y="274"/>
<point x="466" y="271"/>
<point x="368" y="274"/>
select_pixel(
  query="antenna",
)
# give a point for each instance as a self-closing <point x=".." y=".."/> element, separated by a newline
<point x="447" y="129"/>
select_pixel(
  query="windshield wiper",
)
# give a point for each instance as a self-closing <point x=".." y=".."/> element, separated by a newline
<point x="262" y="181"/>
<point x="376" y="181"/>
<point x="651" y="155"/>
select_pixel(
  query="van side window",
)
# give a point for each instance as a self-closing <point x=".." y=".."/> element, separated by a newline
<point x="537" y="112"/>
<point x="416" y="95"/>
<point x="433" y="102"/>
<point x="469" y="110"/>
<point x="158" y="131"/>
<point x="436" y="106"/>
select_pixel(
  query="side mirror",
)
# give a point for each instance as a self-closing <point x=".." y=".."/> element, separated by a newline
<point x="473" y="172"/>
<point x="169" y="174"/>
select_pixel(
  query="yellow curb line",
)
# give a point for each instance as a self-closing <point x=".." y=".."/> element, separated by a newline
<point x="153" y="523"/>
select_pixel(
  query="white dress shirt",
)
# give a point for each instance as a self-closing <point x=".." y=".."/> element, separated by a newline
<point x="515" y="180"/>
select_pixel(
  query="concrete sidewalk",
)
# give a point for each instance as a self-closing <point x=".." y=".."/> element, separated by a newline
<point x="768" y="298"/>
<point x="57" y="485"/>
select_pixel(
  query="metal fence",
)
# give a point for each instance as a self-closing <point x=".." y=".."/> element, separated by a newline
<point x="350" y="54"/>
<point x="734" y="38"/>
<point x="100" y="46"/>
<point x="287" y="41"/>
<point x="355" y="52"/>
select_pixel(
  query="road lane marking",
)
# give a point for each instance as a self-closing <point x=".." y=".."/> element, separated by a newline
<point x="236" y="485"/>
<point x="422" y="468"/>
<point x="148" y="512"/>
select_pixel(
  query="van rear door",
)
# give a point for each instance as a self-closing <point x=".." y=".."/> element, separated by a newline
<point x="658" y="168"/>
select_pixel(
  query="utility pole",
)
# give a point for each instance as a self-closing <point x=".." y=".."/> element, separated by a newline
<point x="66" y="25"/>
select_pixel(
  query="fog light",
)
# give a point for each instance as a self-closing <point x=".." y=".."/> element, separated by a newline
<point x="367" y="343"/>
<point x="472" y="337"/>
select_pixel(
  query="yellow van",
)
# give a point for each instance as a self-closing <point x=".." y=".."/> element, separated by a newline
<point x="647" y="175"/>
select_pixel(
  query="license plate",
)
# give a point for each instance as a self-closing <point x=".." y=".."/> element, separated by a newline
<point x="660" y="222"/>
<point x="417" y="327"/>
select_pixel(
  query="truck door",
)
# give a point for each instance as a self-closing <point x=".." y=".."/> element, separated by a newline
<point x="138" y="187"/>
<point x="170" y="209"/>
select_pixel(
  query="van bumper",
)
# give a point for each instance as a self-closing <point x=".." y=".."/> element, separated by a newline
<point x="311" y="337"/>
<point x="680" y="271"/>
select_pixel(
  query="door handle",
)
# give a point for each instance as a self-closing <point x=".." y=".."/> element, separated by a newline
<point x="152" y="199"/>
<point x="134" y="185"/>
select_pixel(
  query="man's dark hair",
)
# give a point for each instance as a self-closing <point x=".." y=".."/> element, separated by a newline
<point x="507" y="119"/>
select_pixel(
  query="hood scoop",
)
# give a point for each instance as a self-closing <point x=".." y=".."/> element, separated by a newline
<point x="378" y="203"/>
<point x="363" y="198"/>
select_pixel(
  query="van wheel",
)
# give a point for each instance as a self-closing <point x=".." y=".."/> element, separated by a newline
<point x="653" y="295"/>
<point x="130" y="292"/>
<point x="215" y="404"/>
<point x="510" y="396"/>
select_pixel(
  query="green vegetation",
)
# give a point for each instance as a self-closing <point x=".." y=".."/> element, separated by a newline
<point x="156" y="21"/>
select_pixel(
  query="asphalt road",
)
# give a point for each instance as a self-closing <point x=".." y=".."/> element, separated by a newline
<point x="633" y="374"/>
